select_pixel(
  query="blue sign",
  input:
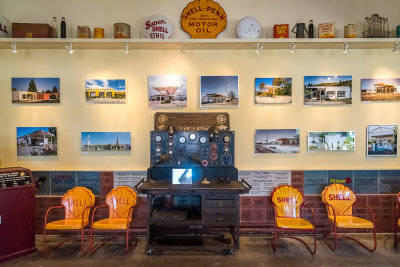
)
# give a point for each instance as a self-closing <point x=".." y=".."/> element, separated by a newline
<point x="315" y="182"/>
<point x="61" y="182"/>
<point x="389" y="182"/>
<point x="90" y="180"/>
<point x="366" y="182"/>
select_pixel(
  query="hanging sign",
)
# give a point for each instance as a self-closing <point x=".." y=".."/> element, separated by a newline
<point x="203" y="19"/>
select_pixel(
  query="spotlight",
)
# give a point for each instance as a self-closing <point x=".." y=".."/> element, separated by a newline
<point x="14" y="48"/>
<point x="127" y="51"/>
<point x="345" y="47"/>
<point x="396" y="48"/>
<point x="292" y="48"/>
<point x="183" y="49"/>
<point x="259" y="48"/>
<point x="69" y="48"/>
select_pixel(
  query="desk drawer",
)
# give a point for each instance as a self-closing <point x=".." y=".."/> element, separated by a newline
<point x="219" y="211"/>
<point x="225" y="218"/>
<point x="223" y="203"/>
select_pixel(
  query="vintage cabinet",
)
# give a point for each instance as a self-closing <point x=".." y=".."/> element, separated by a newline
<point x="17" y="213"/>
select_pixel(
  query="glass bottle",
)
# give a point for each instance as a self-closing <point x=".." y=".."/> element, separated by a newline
<point x="311" y="29"/>
<point x="63" y="28"/>
<point x="365" y="32"/>
<point x="54" y="28"/>
<point x="386" y="28"/>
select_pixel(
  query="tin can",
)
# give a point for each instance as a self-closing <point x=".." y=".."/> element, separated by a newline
<point x="98" y="33"/>
<point x="82" y="32"/>
<point x="398" y="31"/>
<point x="281" y="31"/>
<point x="350" y="31"/>
<point x="122" y="30"/>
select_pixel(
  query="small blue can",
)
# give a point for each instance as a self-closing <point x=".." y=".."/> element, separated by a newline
<point x="398" y="31"/>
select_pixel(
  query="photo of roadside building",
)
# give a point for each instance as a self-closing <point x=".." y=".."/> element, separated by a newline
<point x="326" y="141"/>
<point x="325" y="90"/>
<point x="102" y="91"/>
<point x="167" y="91"/>
<point x="380" y="89"/>
<point x="382" y="140"/>
<point x="277" y="141"/>
<point x="105" y="141"/>
<point x="36" y="141"/>
<point x="273" y="90"/>
<point x="35" y="90"/>
<point x="219" y="91"/>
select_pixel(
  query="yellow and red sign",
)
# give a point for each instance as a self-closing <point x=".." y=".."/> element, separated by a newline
<point x="203" y="19"/>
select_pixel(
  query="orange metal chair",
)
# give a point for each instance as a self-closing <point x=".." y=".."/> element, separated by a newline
<point x="120" y="202"/>
<point x="396" y="221"/>
<point x="76" y="203"/>
<point x="339" y="201"/>
<point x="287" y="202"/>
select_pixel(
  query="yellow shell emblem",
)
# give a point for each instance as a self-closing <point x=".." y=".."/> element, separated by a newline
<point x="203" y="19"/>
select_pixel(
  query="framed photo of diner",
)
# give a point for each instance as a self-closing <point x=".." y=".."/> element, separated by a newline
<point x="219" y="91"/>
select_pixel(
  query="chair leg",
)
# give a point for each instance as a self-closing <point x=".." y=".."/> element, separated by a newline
<point x="127" y="240"/>
<point x="44" y="240"/>
<point x="274" y="241"/>
<point x="333" y="248"/>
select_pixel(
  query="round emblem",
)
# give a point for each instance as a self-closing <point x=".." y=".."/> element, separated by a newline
<point x="157" y="27"/>
<point x="162" y="119"/>
<point x="221" y="119"/>
<point x="248" y="27"/>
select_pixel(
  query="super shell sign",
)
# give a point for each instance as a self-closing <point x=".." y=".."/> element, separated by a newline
<point x="203" y="19"/>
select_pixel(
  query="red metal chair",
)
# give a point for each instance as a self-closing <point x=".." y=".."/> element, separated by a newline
<point x="76" y="203"/>
<point x="339" y="201"/>
<point x="120" y="202"/>
<point x="396" y="221"/>
<point x="287" y="202"/>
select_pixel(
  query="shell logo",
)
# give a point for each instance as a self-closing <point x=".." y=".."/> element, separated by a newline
<point x="203" y="19"/>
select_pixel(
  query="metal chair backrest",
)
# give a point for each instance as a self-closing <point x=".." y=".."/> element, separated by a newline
<point x="340" y="198"/>
<point x="287" y="201"/>
<point x="77" y="202"/>
<point x="120" y="200"/>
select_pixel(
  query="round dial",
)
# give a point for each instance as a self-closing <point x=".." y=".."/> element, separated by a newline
<point x="203" y="140"/>
<point x="170" y="143"/>
<point x="158" y="149"/>
<point x="170" y="152"/>
<point x="158" y="138"/>
<point x="227" y="138"/>
<point x="192" y="136"/>
<point x="182" y="140"/>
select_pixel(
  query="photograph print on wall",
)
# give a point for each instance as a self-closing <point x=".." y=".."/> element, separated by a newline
<point x="331" y="141"/>
<point x="219" y="91"/>
<point x="380" y="90"/>
<point x="273" y="90"/>
<point x="167" y="91"/>
<point x="92" y="142"/>
<point x="35" y="90"/>
<point x="327" y="90"/>
<point x="277" y="141"/>
<point x="382" y="140"/>
<point x="36" y="141"/>
<point x="102" y="91"/>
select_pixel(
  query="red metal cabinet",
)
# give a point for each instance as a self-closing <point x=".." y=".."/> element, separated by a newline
<point x="17" y="213"/>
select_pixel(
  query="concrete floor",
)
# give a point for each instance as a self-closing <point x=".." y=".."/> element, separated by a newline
<point x="254" y="251"/>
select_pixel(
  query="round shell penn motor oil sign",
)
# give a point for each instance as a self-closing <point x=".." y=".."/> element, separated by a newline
<point x="203" y="19"/>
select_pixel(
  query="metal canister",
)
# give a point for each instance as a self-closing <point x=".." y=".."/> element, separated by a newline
<point x="83" y="32"/>
<point x="98" y="33"/>
<point x="122" y="30"/>
<point x="398" y="31"/>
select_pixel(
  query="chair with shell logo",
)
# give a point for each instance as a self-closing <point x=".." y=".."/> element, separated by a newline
<point x="120" y="202"/>
<point x="287" y="203"/>
<point x="396" y="220"/>
<point x="76" y="203"/>
<point x="339" y="201"/>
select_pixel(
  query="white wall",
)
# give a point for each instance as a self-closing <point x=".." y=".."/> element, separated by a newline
<point x="73" y="115"/>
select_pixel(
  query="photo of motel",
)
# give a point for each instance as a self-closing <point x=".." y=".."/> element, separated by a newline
<point x="35" y="90"/>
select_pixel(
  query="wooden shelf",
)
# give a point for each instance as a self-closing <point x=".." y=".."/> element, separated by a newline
<point x="199" y="44"/>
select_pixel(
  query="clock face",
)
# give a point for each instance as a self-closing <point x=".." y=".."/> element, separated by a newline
<point x="192" y="136"/>
<point x="227" y="138"/>
<point x="203" y="140"/>
<point x="158" y="138"/>
<point x="182" y="140"/>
